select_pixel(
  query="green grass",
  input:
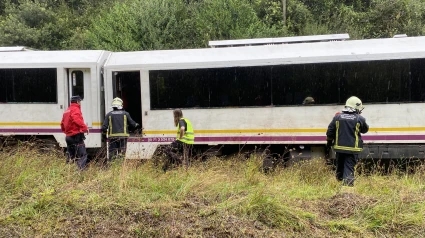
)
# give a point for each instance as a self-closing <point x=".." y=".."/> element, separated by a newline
<point x="40" y="195"/>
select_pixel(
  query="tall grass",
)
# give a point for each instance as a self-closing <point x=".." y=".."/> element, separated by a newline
<point x="41" y="195"/>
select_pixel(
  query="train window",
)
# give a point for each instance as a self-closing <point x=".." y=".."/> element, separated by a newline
<point x="28" y="85"/>
<point x="328" y="83"/>
<point x="3" y="86"/>
<point x="78" y="83"/>
<point x="376" y="81"/>
<point x="293" y="83"/>
<point x="417" y="74"/>
<point x="222" y="87"/>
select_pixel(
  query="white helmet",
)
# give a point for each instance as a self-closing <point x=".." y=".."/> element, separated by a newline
<point x="117" y="103"/>
<point x="354" y="103"/>
<point x="308" y="100"/>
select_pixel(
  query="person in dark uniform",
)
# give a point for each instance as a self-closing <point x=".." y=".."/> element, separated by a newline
<point x="73" y="126"/>
<point x="344" y="134"/>
<point x="184" y="140"/>
<point x="116" y="126"/>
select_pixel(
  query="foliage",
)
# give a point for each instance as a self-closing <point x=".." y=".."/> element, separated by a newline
<point x="143" y="25"/>
<point x="229" y="19"/>
<point x="44" y="24"/>
<point x="32" y="24"/>
<point x="114" y="29"/>
<point x="396" y="17"/>
<point x="129" y="25"/>
<point x="270" y="12"/>
<point x="164" y="24"/>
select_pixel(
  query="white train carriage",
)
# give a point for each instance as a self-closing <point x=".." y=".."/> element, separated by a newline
<point x="239" y="97"/>
<point x="252" y="95"/>
<point x="35" y="88"/>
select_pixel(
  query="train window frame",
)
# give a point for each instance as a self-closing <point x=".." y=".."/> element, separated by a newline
<point x="28" y="86"/>
<point x="77" y="83"/>
<point x="330" y="83"/>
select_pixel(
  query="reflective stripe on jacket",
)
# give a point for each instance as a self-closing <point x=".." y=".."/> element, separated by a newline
<point x="345" y="129"/>
<point x="116" y="123"/>
<point x="189" y="135"/>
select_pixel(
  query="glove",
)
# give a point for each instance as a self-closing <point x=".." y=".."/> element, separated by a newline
<point x="138" y="129"/>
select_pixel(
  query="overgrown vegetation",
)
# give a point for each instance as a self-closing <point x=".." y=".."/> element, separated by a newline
<point x="129" y="25"/>
<point x="42" y="196"/>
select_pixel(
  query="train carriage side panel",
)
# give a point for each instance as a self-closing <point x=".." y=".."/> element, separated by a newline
<point x="394" y="118"/>
<point x="22" y="117"/>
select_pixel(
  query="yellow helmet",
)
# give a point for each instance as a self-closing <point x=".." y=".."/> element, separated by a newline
<point x="117" y="102"/>
<point x="354" y="103"/>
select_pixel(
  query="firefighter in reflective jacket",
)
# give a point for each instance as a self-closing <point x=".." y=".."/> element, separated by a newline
<point x="116" y="125"/>
<point x="185" y="138"/>
<point x="344" y="134"/>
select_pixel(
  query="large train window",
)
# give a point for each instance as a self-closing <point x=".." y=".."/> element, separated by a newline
<point x="376" y="81"/>
<point x="293" y="83"/>
<point x="388" y="81"/>
<point x="223" y="87"/>
<point x="78" y="83"/>
<point x="328" y="83"/>
<point x="28" y="85"/>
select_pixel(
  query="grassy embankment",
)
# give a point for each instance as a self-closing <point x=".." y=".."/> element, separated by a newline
<point x="40" y="195"/>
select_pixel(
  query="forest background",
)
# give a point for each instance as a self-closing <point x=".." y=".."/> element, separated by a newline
<point x="131" y="25"/>
<point x="40" y="196"/>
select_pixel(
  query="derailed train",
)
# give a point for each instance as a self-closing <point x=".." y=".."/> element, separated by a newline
<point x="245" y="96"/>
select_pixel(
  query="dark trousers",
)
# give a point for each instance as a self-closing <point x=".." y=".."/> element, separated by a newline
<point x="76" y="150"/>
<point x="174" y="153"/>
<point x="117" y="146"/>
<point x="345" y="164"/>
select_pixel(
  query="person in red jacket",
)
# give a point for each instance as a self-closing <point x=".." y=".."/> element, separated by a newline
<point x="74" y="128"/>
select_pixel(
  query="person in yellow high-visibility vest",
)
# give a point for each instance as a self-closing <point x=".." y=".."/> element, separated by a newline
<point x="185" y="137"/>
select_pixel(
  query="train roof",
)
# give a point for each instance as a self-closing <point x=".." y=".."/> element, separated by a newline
<point x="72" y="58"/>
<point x="297" y="53"/>
<point x="13" y="48"/>
<point x="278" y="40"/>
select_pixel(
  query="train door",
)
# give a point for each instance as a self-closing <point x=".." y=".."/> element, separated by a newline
<point x="126" y="85"/>
<point x="79" y="84"/>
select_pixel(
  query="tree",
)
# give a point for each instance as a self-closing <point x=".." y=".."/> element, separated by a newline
<point x="33" y="24"/>
<point x="230" y="19"/>
<point x="114" y="30"/>
<point x="47" y="24"/>
<point x="142" y="25"/>
<point x="284" y="12"/>
<point x="175" y="24"/>
<point x="127" y="25"/>
<point x="391" y="17"/>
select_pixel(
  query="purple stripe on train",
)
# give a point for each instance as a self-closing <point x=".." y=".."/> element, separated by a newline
<point x="225" y="138"/>
<point x="276" y="138"/>
<point x="37" y="131"/>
